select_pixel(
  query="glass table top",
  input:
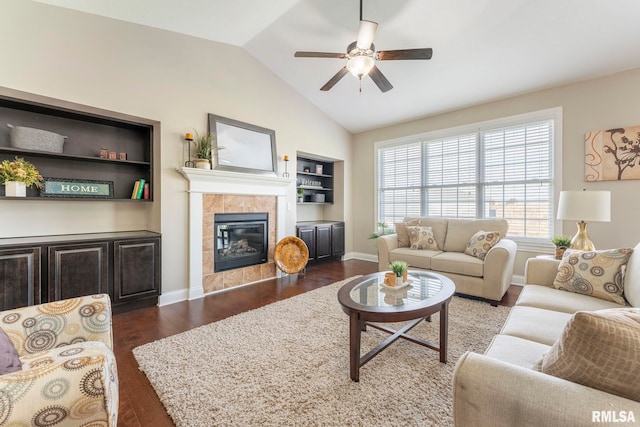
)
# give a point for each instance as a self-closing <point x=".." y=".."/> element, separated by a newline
<point x="374" y="293"/>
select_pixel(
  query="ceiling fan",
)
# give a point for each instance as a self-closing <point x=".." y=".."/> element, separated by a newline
<point x="361" y="56"/>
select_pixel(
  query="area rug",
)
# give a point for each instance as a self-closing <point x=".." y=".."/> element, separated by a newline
<point x="287" y="364"/>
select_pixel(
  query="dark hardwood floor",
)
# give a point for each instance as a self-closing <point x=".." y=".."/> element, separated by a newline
<point x="139" y="405"/>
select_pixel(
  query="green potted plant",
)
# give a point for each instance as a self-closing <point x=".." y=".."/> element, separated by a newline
<point x="300" y="195"/>
<point x="382" y="231"/>
<point x="204" y="148"/>
<point x="17" y="175"/>
<point x="400" y="268"/>
<point x="561" y="243"/>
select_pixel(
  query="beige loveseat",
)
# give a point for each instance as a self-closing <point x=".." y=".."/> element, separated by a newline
<point x="487" y="278"/>
<point x="502" y="387"/>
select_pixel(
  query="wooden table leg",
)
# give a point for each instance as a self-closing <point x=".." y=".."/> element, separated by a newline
<point x="355" y="328"/>
<point x="444" y="330"/>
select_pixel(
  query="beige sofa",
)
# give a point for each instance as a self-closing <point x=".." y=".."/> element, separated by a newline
<point x="501" y="388"/>
<point x="488" y="278"/>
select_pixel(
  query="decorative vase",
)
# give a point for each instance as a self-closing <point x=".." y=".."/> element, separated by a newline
<point x="404" y="276"/>
<point x="390" y="279"/>
<point x="202" y="163"/>
<point x="15" y="189"/>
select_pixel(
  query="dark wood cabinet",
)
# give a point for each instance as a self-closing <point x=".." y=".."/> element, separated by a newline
<point x="136" y="270"/>
<point x="20" y="280"/>
<point x="308" y="236"/>
<point x="78" y="269"/>
<point x="126" y="265"/>
<point x="337" y="239"/>
<point x="325" y="239"/>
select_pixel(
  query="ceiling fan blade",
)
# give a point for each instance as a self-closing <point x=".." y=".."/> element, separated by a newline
<point x="380" y="80"/>
<point x="390" y="55"/>
<point x="335" y="79"/>
<point x="300" y="54"/>
<point x="365" y="34"/>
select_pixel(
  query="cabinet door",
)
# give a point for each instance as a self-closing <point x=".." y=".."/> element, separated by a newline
<point x="337" y="239"/>
<point x="323" y="241"/>
<point x="78" y="269"/>
<point x="19" y="277"/>
<point x="136" y="269"/>
<point x="308" y="236"/>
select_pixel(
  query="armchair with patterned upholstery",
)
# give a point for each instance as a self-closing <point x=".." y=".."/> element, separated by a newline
<point x="69" y="375"/>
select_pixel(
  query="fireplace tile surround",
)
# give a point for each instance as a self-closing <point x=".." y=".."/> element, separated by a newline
<point x="211" y="192"/>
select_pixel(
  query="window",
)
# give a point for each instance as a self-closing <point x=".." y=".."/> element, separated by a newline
<point x="498" y="169"/>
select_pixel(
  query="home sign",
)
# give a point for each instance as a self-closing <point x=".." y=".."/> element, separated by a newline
<point x="64" y="187"/>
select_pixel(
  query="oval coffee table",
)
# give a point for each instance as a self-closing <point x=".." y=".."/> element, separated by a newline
<point x="367" y="300"/>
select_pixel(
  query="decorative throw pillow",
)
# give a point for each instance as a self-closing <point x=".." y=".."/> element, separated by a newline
<point x="422" y="238"/>
<point x="403" y="234"/>
<point x="9" y="359"/>
<point x="598" y="349"/>
<point x="595" y="273"/>
<point x="481" y="242"/>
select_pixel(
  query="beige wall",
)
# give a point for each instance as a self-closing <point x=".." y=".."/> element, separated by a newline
<point x="602" y="103"/>
<point x="159" y="75"/>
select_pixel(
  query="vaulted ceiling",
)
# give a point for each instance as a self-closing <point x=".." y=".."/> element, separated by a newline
<point x="483" y="49"/>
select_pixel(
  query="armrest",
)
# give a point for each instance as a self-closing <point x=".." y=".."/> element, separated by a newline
<point x="489" y="392"/>
<point x="385" y="244"/>
<point x="45" y="326"/>
<point x="540" y="271"/>
<point x="81" y="376"/>
<point x="498" y="269"/>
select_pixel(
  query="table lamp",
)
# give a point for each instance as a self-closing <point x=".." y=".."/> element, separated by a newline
<point x="584" y="206"/>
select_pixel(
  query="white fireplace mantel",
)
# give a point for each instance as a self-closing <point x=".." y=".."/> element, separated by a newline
<point x="205" y="181"/>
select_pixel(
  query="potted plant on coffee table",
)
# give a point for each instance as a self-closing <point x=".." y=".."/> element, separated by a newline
<point x="562" y="243"/>
<point x="400" y="268"/>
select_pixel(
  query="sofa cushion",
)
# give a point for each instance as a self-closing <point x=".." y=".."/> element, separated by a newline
<point x="402" y="233"/>
<point x="9" y="358"/>
<point x="535" y="324"/>
<point x="459" y="231"/>
<point x="598" y="349"/>
<point x="554" y="299"/>
<point x="595" y="273"/>
<point x="481" y="242"/>
<point x="459" y="263"/>
<point x="632" y="278"/>
<point x="416" y="259"/>
<point x="421" y="238"/>
<point x="438" y="226"/>
<point x="517" y="351"/>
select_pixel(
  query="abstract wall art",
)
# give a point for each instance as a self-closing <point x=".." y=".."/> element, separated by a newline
<point x="612" y="155"/>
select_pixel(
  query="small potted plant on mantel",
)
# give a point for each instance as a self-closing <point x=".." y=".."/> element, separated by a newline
<point x="562" y="243"/>
<point x="17" y="175"/>
<point x="204" y="149"/>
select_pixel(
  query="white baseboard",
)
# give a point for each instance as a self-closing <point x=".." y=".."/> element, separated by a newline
<point x="363" y="257"/>
<point x="173" y="297"/>
<point x="517" y="280"/>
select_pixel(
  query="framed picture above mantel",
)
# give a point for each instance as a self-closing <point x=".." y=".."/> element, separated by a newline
<point x="245" y="148"/>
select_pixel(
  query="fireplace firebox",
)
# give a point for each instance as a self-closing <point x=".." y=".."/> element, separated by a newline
<point x="241" y="240"/>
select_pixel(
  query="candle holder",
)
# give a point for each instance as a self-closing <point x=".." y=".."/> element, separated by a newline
<point x="189" y="138"/>
<point x="286" y="162"/>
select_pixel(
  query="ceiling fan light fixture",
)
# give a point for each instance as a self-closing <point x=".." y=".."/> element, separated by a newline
<point x="360" y="66"/>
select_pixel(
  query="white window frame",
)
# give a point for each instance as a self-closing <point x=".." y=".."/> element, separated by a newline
<point x="554" y="114"/>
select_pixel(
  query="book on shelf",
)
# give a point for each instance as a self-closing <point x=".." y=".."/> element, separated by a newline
<point x="145" y="192"/>
<point x="138" y="189"/>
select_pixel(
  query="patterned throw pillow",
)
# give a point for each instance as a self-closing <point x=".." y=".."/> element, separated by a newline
<point x="481" y="242"/>
<point x="598" y="349"/>
<point x="403" y="233"/>
<point x="595" y="273"/>
<point x="422" y="238"/>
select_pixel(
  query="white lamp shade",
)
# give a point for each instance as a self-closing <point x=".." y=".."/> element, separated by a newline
<point x="365" y="34"/>
<point x="585" y="206"/>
